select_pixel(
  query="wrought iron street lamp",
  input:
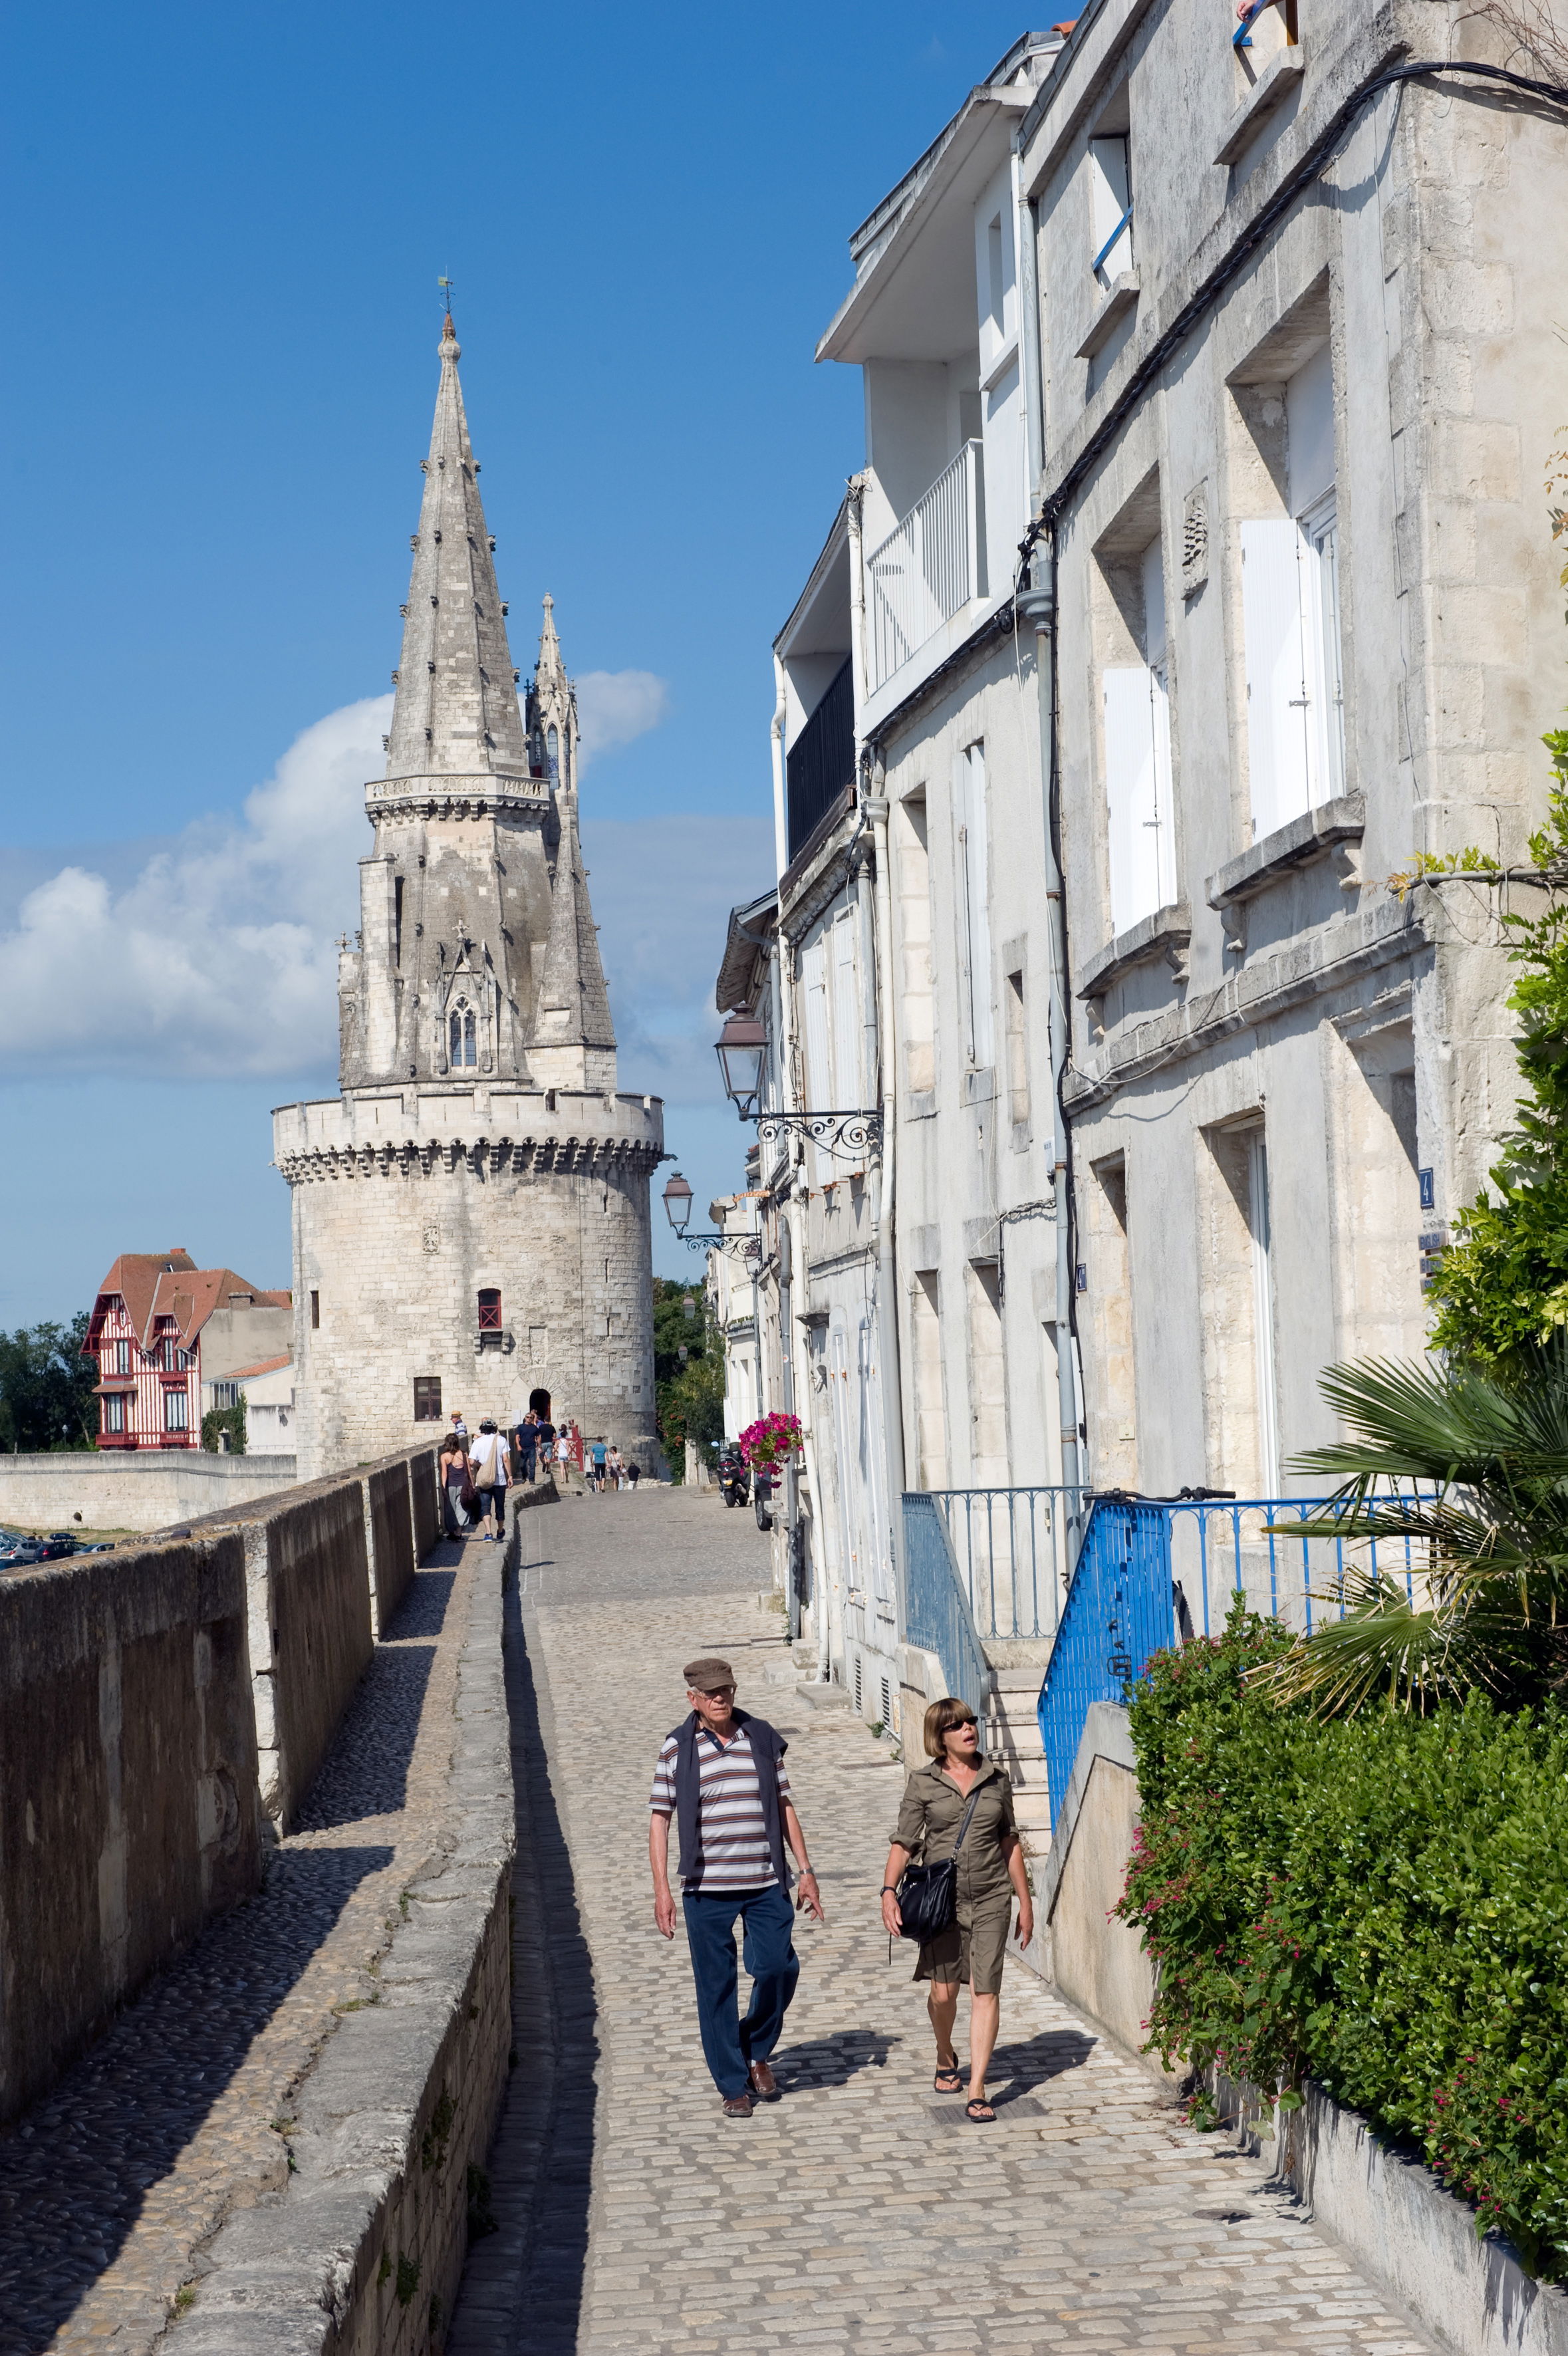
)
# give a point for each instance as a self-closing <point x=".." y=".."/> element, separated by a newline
<point x="742" y="1050"/>
<point x="678" y="1211"/>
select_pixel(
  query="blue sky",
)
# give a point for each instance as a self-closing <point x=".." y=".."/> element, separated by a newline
<point x="225" y="231"/>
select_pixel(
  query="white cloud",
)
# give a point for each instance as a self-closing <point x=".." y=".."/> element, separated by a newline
<point x="614" y="706"/>
<point x="215" y="954"/>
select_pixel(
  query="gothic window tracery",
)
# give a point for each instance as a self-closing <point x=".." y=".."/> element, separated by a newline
<point x="463" y="1046"/>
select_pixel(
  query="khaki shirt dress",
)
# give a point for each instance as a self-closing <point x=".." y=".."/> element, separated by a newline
<point x="928" y="1818"/>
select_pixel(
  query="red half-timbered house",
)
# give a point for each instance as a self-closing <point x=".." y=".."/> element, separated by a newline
<point x="146" y="1331"/>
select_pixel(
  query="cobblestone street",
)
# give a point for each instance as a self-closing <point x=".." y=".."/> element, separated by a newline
<point x="179" y="2115"/>
<point x="861" y="2212"/>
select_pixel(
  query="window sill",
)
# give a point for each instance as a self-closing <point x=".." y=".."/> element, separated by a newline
<point x="980" y="1084"/>
<point x="1311" y="836"/>
<point x="1165" y="934"/>
<point x="1272" y="87"/>
<point x="1121" y="299"/>
<point x="920" y="1104"/>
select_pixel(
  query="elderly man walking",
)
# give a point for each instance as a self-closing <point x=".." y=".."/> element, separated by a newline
<point x="721" y="1773"/>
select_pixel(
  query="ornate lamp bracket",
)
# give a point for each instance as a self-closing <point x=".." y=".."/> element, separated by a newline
<point x="856" y="1135"/>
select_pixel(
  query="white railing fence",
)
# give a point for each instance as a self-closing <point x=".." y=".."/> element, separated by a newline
<point x="929" y="566"/>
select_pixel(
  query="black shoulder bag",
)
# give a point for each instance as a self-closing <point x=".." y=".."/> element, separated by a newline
<point x="928" y="1894"/>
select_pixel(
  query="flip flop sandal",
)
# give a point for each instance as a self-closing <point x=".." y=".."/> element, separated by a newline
<point x="955" y="2074"/>
<point x="980" y="2114"/>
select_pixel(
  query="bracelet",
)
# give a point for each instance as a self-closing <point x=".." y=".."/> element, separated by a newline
<point x="890" y="1889"/>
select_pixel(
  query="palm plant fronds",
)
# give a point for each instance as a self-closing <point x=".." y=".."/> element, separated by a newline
<point x="1471" y="1481"/>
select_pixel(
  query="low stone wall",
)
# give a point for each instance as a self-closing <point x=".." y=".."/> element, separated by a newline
<point x="388" y="1495"/>
<point x="362" y="2253"/>
<point x="311" y="1574"/>
<point x="128" y="1785"/>
<point x="132" y="1488"/>
<point x="426" y="1491"/>
<point x="1386" y="2210"/>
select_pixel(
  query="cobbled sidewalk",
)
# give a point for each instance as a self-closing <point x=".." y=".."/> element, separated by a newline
<point x="110" y="2186"/>
<point x="862" y="2212"/>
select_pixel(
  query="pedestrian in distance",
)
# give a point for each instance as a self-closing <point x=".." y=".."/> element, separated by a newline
<point x="599" y="1457"/>
<point x="460" y="1429"/>
<point x="633" y="1474"/>
<point x="525" y="1445"/>
<point x="617" y="1468"/>
<point x="456" y="1477"/>
<point x="490" y="1479"/>
<point x="721" y="1774"/>
<point x="961" y="1803"/>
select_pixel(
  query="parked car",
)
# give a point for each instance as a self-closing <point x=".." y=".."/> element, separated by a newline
<point x="19" y="1554"/>
<point x="58" y="1543"/>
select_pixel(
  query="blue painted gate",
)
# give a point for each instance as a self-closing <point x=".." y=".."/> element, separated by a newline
<point x="1119" y="1611"/>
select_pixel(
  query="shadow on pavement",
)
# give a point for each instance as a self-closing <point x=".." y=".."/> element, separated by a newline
<point x="832" y="2060"/>
<point x="541" y="2163"/>
<point x="1016" y="2068"/>
<point x="75" y="2167"/>
<point x="366" y="1772"/>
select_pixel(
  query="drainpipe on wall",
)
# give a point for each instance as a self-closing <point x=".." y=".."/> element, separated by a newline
<point x="884" y="1066"/>
<point x="1037" y="604"/>
<point x="780" y="809"/>
<point x="791" y="1483"/>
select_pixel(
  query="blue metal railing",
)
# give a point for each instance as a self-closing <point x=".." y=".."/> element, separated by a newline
<point x="937" y="1614"/>
<point x="1149" y="1573"/>
<point x="1013" y="1549"/>
<point x="1099" y="262"/>
<point x="1118" y="1612"/>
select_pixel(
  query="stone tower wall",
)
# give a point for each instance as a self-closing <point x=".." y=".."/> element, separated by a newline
<point x="392" y="1243"/>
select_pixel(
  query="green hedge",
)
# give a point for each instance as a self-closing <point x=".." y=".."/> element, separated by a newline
<point x="1381" y="1903"/>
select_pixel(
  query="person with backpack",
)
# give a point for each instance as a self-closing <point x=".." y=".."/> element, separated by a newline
<point x="721" y="1774"/>
<point x="491" y="1478"/>
<point x="959" y="1808"/>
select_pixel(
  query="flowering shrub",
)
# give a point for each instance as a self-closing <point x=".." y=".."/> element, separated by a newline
<point x="1379" y="1902"/>
<point x="771" y="1440"/>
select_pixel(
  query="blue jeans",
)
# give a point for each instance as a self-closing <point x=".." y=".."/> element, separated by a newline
<point x="768" y="1916"/>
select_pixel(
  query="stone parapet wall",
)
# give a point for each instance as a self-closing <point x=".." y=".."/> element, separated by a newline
<point x="132" y="1488"/>
<point x="315" y="1559"/>
<point x="128" y="1785"/>
<point x="361" y="2253"/>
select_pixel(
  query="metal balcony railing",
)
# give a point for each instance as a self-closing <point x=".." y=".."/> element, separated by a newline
<point x="1013" y="1551"/>
<point x="929" y="566"/>
<point x="937" y="1614"/>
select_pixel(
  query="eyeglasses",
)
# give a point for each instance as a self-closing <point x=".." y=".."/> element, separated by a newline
<point x="714" y="1692"/>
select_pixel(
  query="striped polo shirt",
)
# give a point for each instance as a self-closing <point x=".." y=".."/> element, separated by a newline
<point x="730" y="1825"/>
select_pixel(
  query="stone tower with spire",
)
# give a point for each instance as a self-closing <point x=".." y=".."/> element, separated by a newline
<point x="471" y="1215"/>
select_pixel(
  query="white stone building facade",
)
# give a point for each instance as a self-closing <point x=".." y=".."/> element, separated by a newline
<point x="1196" y="579"/>
<point x="470" y="1215"/>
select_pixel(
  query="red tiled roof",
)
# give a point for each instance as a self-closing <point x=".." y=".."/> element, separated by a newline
<point x="262" y="1366"/>
<point x="170" y="1284"/>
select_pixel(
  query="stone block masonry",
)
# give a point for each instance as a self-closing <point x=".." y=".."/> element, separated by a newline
<point x="407" y="1208"/>
<point x="128" y="1786"/>
<point x="361" y="2254"/>
<point x="390" y="1538"/>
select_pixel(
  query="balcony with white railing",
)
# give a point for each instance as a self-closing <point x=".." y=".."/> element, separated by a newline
<point x="929" y="568"/>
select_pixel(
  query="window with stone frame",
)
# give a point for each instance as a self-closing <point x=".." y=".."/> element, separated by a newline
<point x="490" y="1309"/>
<point x="427" y="1399"/>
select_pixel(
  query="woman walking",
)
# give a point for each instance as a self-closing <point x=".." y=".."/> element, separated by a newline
<point x="491" y="1478"/>
<point x="456" y="1474"/>
<point x="957" y="1782"/>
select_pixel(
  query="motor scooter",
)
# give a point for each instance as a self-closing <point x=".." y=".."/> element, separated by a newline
<point x="734" y="1477"/>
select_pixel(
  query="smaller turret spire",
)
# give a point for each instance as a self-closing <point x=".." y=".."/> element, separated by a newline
<point x="552" y="709"/>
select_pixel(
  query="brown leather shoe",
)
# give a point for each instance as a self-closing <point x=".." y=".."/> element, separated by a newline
<point x="737" y="2107"/>
<point x="764" y="2084"/>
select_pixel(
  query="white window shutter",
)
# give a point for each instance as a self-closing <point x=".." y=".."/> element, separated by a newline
<point x="1130" y="790"/>
<point x="846" y="1017"/>
<point x="1276" y="672"/>
<point x="1162" y="818"/>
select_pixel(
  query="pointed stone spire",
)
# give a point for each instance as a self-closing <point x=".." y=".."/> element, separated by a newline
<point x="552" y="709"/>
<point x="456" y="712"/>
<point x="574" y="1004"/>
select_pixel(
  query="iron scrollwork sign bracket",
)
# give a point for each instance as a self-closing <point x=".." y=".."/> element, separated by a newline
<point x="857" y="1136"/>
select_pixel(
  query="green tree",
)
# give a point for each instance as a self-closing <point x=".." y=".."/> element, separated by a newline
<point x="219" y="1419"/>
<point x="688" y="1372"/>
<point x="46" y="1388"/>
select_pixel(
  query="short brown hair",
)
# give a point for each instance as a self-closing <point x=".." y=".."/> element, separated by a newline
<point x="941" y="1717"/>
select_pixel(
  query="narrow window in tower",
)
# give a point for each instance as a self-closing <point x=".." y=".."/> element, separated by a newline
<point x="552" y="761"/>
<point x="490" y="1310"/>
<point x="397" y="920"/>
<point x="462" y="1038"/>
<point x="314" y="1309"/>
